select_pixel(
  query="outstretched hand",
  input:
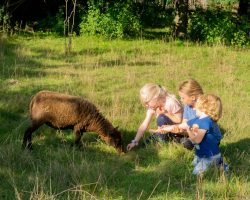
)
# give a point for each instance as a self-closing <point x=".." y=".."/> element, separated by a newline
<point x="166" y="129"/>
<point x="163" y="129"/>
<point x="130" y="146"/>
<point x="176" y="129"/>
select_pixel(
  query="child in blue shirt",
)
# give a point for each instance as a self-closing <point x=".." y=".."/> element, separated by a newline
<point x="204" y="135"/>
<point x="189" y="91"/>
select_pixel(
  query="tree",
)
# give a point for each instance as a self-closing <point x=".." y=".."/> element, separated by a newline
<point x="244" y="8"/>
<point x="69" y="22"/>
<point x="181" y="18"/>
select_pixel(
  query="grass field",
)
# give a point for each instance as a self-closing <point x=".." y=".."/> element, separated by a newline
<point x="110" y="74"/>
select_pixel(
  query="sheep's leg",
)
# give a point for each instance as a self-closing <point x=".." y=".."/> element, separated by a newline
<point x="77" y="137"/>
<point x="27" y="138"/>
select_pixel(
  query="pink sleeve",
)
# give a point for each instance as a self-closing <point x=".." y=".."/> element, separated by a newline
<point x="173" y="106"/>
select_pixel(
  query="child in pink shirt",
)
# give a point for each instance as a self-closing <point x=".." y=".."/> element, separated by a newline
<point x="161" y="104"/>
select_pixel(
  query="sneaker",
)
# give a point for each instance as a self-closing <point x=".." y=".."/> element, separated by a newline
<point x="224" y="166"/>
<point x="187" y="143"/>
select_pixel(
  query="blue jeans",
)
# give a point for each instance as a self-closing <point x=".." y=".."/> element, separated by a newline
<point x="162" y="120"/>
<point x="202" y="164"/>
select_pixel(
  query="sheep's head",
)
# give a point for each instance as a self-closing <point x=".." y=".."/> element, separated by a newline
<point x="116" y="140"/>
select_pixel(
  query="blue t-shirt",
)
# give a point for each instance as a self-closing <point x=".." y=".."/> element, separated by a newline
<point x="189" y="113"/>
<point x="209" y="144"/>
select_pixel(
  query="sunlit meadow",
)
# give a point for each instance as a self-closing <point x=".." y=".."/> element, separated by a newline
<point x="110" y="74"/>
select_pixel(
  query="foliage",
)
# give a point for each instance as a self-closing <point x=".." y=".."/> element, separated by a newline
<point x="217" y="27"/>
<point x="241" y="35"/>
<point x="153" y="15"/>
<point x="54" y="23"/>
<point x="115" y="21"/>
<point x="223" y="2"/>
<point x="4" y="20"/>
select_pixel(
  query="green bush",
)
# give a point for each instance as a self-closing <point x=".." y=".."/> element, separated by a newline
<point x="240" y="39"/>
<point x="217" y="27"/>
<point x="115" y="21"/>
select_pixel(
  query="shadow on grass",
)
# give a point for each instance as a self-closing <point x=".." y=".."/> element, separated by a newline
<point x="53" y="167"/>
<point x="16" y="63"/>
<point x="14" y="108"/>
<point x="93" y="51"/>
<point x="151" y="34"/>
<point x="237" y="154"/>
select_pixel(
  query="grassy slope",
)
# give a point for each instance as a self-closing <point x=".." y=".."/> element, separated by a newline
<point x="110" y="74"/>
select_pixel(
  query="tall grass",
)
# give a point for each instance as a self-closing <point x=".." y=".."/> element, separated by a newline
<point x="110" y="74"/>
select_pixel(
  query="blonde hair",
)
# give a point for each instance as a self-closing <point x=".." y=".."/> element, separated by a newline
<point x="191" y="88"/>
<point x="152" y="91"/>
<point x="210" y="105"/>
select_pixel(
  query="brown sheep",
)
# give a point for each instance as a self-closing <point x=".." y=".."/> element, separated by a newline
<point x="61" y="111"/>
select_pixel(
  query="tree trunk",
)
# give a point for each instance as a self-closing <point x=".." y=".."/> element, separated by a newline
<point x="244" y="12"/>
<point x="163" y="3"/>
<point x="70" y="10"/>
<point x="244" y="8"/>
<point x="181" y="19"/>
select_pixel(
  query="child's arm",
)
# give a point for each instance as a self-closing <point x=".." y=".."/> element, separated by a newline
<point x="141" y="130"/>
<point x="196" y="134"/>
<point x="183" y="125"/>
<point x="168" y="129"/>
<point x="163" y="129"/>
<point x="176" y="117"/>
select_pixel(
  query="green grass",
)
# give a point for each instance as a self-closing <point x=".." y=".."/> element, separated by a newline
<point x="110" y="74"/>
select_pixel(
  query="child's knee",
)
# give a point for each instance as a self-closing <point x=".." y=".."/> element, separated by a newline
<point x="163" y="120"/>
